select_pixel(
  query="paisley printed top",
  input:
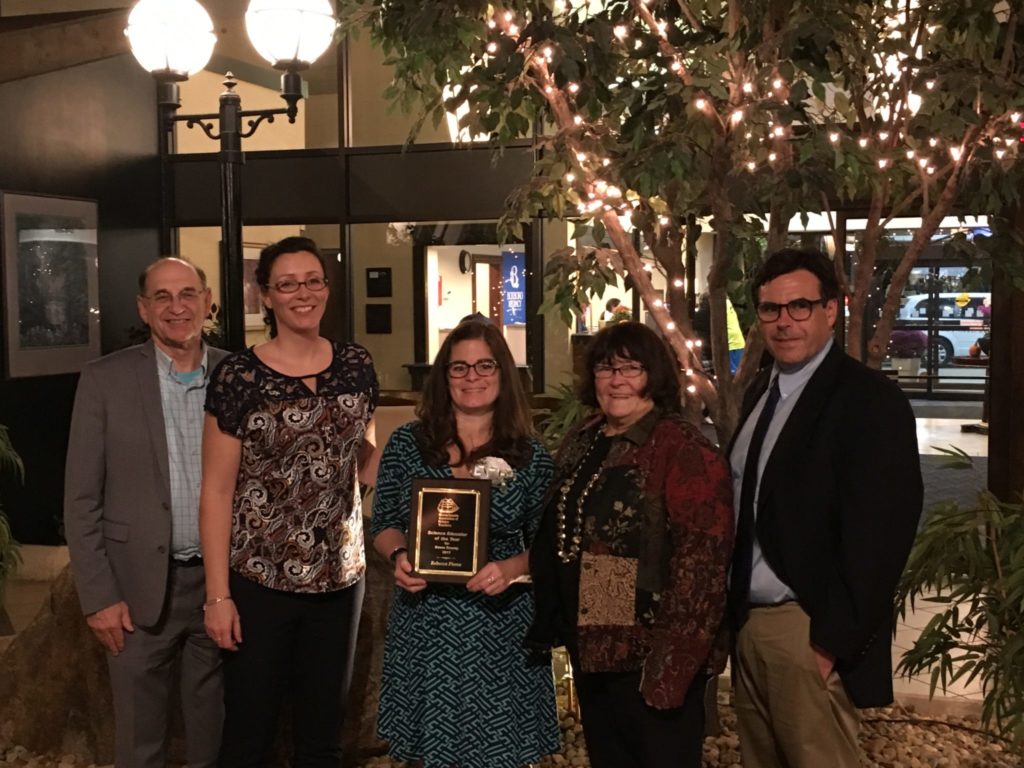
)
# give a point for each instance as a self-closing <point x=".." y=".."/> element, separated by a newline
<point x="297" y="515"/>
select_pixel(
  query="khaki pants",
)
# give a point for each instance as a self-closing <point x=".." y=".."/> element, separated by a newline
<point x="787" y="715"/>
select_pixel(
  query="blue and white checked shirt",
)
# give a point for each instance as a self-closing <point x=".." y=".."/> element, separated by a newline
<point x="182" y="396"/>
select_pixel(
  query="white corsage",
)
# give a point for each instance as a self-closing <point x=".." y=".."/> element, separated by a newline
<point x="493" y="468"/>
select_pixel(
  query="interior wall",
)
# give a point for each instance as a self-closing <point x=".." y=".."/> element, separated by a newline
<point x="374" y="122"/>
<point x="70" y="133"/>
<point x="369" y="247"/>
<point x="557" y="353"/>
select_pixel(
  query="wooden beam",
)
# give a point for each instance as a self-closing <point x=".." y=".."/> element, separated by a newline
<point x="26" y="51"/>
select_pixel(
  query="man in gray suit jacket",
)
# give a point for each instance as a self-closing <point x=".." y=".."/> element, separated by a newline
<point x="131" y="517"/>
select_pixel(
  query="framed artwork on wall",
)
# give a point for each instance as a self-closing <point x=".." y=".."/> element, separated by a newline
<point x="51" y="314"/>
<point x="250" y="290"/>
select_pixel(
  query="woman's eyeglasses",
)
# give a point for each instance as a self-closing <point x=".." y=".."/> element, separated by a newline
<point x="627" y="371"/>
<point x="291" y="286"/>
<point x="459" y="369"/>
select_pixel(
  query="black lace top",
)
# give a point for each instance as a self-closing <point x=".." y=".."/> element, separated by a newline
<point x="297" y="515"/>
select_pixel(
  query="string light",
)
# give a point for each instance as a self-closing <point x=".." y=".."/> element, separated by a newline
<point x="614" y="192"/>
<point x="933" y="142"/>
<point x="737" y="116"/>
<point x="751" y="165"/>
<point x="675" y="66"/>
<point x="834" y="137"/>
<point x="491" y="23"/>
<point x="513" y="30"/>
<point x="689" y="372"/>
<point x="573" y="87"/>
<point x="772" y="157"/>
<point x="923" y="162"/>
<point x="659" y="303"/>
<point x="777" y="83"/>
<point x="663" y="220"/>
<point x="689" y="344"/>
<point x="862" y="141"/>
<point x="1000" y="153"/>
<point x="671" y="325"/>
<point x="621" y="31"/>
<point x="931" y="170"/>
<point x="578" y="120"/>
<point x="509" y="16"/>
<point x="606" y="161"/>
<point x="930" y="85"/>
<point x="748" y="87"/>
<point x="883" y="135"/>
<point x="581" y="156"/>
<point x="570" y="177"/>
<point x="691" y="389"/>
<point x="910" y="154"/>
<point x="492" y="47"/>
<point x="548" y="52"/>
<point x="678" y="283"/>
<point x="1015" y="117"/>
<point x="883" y="163"/>
<point x="955" y="153"/>
<point x="700" y="103"/>
<point x="778" y="131"/>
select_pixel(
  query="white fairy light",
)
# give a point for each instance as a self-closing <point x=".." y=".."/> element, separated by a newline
<point x="691" y="389"/>
<point x="883" y="135"/>
<point x="751" y="165"/>
<point x="931" y="170"/>
<point x="778" y="131"/>
<point x="509" y="16"/>
<point x="862" y="142"/>
<point x="1015" y="117"/>
<point x="491" y="23"/>
<point x="678" y="282"/>
<point x="492" y="47"/>
<point x="581" y="156"/>
<point x="621" y="31"/>
<point x="883" y="163"/>
<point x="955" y="153"/>
<point x="923" y="162"/>
<point x="600" y="185"/>
<point x="663" y="220"/>
<point x="930" y="85"/>
<point x="772" y="157"/>
<point x="675" y="66"/>
<point x="689" y="343"/>
<point x="578" y="120"/>
<point x="700" y="103"/>
<point x="573" y="87"/>
<point x="698" y="343"/>
<point x="777" y="83"/>
<point x="910" y="154"/>
<point x="513" y="30"/>
<point x="606" y="161"/>
<point x="736" y="116"/>
<point x="670" y="325"/>
<point x="614" y="191"/>
<point x="933" y="142"/>
<point x="748" y="87"/>
<point x="834" y="137"/>
<point x="1000" y="153"/>
<point x="570" y="177"/>
<point x="548" y="52"/>
<point x="658" y="302"/>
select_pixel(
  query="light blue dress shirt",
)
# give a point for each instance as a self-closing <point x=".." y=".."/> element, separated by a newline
<point x="182" y="396"/>
<point x="765" y="586"/>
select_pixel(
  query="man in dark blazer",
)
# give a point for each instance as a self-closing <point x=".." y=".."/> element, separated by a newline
<point x="828" y="492"/>
<point x="131" y="518"/>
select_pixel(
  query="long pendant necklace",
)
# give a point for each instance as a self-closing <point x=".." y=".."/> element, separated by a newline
<point x="568" y="554"/>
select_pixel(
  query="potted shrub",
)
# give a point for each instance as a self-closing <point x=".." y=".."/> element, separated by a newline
<point x="906" y="348"/>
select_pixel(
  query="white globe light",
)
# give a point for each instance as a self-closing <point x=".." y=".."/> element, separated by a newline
<point x="290" y="34"/>
<point x="173" y="38"/>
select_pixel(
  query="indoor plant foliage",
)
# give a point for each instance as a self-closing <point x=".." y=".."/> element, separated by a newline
<point x="10" y="463"/>
<point x="971" y="561"/>
<point x="667" y="113"/>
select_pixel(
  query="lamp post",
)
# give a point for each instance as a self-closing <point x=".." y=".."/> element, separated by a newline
<point x="173" y="39"/>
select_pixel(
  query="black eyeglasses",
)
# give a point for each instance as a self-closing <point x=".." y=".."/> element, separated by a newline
<point x="291" y="286"/>
<point x="459" y="369"/>
<point x="628" y="371"/>
<point x="797" y="309"/>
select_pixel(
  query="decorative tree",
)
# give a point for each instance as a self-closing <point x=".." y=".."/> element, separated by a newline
<point x="658" y="112"/>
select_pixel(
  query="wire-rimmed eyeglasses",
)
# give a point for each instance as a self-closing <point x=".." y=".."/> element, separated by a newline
<point x="627" y="370"/>
<point x="315" y="284"/>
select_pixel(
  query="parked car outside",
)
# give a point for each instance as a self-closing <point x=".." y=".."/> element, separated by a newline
<point x="960" y="318"/>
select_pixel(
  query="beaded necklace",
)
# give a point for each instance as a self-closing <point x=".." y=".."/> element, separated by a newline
<point x="570" y="553"/>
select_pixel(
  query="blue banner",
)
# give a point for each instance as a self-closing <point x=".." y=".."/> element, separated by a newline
<point x="513" y="285"/>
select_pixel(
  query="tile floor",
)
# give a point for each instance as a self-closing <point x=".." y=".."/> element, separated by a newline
<point x="24" y="596"/>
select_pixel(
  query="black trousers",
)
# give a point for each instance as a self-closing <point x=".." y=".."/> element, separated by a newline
<point x="294" y="646"/>
<point x="622" y="731"/>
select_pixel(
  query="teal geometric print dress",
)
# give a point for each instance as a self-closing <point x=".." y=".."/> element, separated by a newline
<point x="458" y="688"/>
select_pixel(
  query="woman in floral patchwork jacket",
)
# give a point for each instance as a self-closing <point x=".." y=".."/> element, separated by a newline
<point x="630" y="563"/>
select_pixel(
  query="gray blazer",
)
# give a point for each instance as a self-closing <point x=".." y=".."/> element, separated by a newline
<point x="117" y="496"/>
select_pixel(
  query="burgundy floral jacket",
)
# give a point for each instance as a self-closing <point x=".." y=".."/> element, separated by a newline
<point x="657" y="540"/>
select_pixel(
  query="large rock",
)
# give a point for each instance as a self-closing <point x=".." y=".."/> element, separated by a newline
<point x="55" y="694"/>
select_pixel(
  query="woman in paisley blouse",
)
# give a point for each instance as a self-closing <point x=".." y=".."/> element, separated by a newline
<point x="287" y="440"/>
<point x="458" y="689"/>
<point x="629" y="566"/>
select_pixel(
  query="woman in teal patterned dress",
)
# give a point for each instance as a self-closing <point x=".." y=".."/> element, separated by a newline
<point x="458" y="689"/>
